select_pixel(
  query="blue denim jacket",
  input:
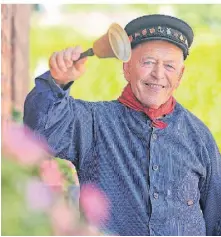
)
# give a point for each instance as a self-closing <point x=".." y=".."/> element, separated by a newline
<point x="159" y="181"/>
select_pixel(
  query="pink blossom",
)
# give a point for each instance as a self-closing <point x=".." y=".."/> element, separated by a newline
<point x="63" y="219"/>
<point x="51" y="175"/>
<point x="19" y="143"/>
<point x="94" y="203"/>
<point x="38" y="195"/>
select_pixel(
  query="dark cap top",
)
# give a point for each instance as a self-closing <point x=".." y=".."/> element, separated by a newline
<point x="160" y="27"/>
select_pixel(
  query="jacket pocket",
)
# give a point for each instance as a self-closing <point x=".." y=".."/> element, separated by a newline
<point x="188" y="191"/>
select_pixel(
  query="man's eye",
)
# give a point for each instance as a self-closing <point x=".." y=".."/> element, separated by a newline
<point x="148" y="62"/>
<point x="170" y="66"/>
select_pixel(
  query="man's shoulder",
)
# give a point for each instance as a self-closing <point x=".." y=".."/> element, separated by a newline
<point x="195" y="123"/>
<point x="113" y="107"/>
<point x="102" y="106"/>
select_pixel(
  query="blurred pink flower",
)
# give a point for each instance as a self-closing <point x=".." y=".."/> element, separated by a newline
<point x="51" y="175"/>
<point x="63" y="219"/>
<point x="38" y="196"/>
<point x="87" y="230"/>
<point x="20" y="143"/>
<point x="94" y="204"/>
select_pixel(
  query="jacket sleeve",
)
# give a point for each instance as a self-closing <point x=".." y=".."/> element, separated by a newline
<point x="211" y="189"/>
<point x="65" y="123"/>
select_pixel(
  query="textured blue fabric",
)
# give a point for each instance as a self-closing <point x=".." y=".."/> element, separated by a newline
<point x="159" y="181"/>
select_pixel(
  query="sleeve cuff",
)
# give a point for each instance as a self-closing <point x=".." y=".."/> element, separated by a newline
<point x="57" y="90"/>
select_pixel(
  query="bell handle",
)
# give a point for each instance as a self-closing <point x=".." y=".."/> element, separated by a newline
<point x="87" y="53"/>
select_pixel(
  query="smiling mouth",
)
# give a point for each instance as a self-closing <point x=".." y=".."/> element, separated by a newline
<point x="151" y="85"/>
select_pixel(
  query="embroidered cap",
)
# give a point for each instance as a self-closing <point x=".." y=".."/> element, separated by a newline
<point x="160" y="27"/>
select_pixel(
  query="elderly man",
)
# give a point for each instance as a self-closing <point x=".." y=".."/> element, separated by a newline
<point x="157" y="163"/>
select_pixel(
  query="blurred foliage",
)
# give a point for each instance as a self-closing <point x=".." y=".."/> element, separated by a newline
<point x="203" y="15"/>
<point x="200" y="89"/>
<point x="109" y="8"/>
<point x="206" y="15"/>
<point x="17" y="115"/>
<point x="16" y="218"/>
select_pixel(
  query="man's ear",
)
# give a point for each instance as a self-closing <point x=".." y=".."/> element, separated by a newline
<point x="180" y="75"/>
<point x="126" y="70"/>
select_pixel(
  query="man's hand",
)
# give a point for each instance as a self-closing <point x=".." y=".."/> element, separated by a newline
<point x="64" y="66"/>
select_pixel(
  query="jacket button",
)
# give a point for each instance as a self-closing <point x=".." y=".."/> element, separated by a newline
<point x="190" y="202"/>
<point x="154" y="136"/>
<point x="155" y="167"/>
<point x="156" y="195"/>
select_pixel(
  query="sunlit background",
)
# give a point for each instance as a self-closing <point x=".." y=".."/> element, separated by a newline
<point x="54" y="27"/>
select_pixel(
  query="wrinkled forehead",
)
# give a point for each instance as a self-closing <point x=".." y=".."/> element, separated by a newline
<point x="158" y="49"/>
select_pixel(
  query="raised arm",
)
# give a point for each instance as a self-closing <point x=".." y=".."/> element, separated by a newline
<point x="66" y="123"/>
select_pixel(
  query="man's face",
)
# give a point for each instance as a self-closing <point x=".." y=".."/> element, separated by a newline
<point x="154" y="72"/>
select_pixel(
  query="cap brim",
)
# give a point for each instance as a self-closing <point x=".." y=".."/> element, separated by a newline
<point x="185" y="51"/>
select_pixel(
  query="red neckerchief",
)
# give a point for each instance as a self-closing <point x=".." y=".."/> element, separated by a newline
<point x="128" y="98"/>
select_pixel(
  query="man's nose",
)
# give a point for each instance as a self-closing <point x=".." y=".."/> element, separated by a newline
<point x="158" y="71"/>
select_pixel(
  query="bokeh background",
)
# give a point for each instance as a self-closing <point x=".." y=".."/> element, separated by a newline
<point x="53" y="27"/>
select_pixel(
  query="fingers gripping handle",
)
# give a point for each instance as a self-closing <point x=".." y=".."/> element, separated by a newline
<point x="89" y="52"/>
